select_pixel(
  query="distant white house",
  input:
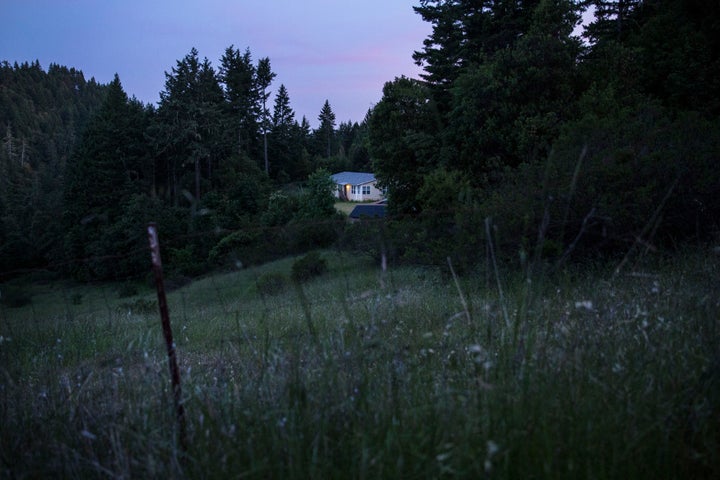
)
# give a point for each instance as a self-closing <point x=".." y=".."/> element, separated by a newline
<point x="357" y="187"/>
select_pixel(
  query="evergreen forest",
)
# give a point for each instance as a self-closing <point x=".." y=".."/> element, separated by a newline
<point x="560" y="146"/>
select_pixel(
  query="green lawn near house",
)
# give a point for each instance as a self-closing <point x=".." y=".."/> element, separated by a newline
<point x="345" y="207"/>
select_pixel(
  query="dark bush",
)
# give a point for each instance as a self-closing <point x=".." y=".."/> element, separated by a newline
<point x="309" y="266"/>
<point x="309" y="234"/>
<point x="127" y="290"/>
<point x="184" y="261"/>
<point x="138" y="307"/>
<point x="271" y="283"/>
<point x="14" y="297"/>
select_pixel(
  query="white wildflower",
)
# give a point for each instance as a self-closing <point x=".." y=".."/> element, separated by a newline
<point x="443" y="456"/>
<point x="492" y="448"/>
<point x="584" y="304"/>
<point x="475" y="349"/>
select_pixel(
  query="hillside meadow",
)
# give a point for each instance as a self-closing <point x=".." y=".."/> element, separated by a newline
<point x="412" y="372"/>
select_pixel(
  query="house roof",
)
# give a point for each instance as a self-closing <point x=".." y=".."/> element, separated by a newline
<point x="373" y="210"/>
<point x="353" y="178"/>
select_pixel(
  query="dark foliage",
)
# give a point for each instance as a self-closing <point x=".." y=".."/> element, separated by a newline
<point x="84" y="168"/>
<point x="14" y="296"/>
<point x="271" y="283"/>
<point x="309" y="266"/>
<point x="570" y="148"/>
<point x="566" y="149"/>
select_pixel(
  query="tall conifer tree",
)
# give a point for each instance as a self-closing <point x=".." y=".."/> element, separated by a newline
<point x="326" y="131"/>
<point x="264" y="76"/>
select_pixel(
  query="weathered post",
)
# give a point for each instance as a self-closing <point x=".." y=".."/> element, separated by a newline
<point x="167" y="331"/>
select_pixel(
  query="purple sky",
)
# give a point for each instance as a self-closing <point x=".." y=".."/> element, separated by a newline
<point x="343" y="51"/>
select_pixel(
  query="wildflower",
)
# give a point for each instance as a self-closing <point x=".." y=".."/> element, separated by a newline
<point x="475" y="349"/>
<point x="442" y="457"/>
<point x="492" y="449"/>
<point x="584" y="304"/>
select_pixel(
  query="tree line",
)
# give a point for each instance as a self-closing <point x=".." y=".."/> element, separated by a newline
<point x="552" y="144"/>
<point x="83" y="165"/>
<point x="589" y="144"/>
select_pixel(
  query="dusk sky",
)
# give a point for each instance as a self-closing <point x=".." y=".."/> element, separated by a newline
<point x="343" y="51"/>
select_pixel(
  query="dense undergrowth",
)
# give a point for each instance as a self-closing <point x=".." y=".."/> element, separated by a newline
<point x="363" y="373"/>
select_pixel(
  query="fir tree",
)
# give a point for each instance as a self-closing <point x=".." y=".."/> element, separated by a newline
<point x="326" y="131"/>
<point x="264" y="77"/>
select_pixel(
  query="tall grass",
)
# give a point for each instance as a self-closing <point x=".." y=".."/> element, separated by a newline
<point x="417" y="374"/>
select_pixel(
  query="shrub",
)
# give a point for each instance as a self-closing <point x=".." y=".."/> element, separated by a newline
<point x="185" y="262"/>
<point x="271" y="283"/>
<point x="309" y="266"/>
<point x="307" y="235"/>
<point x="138" y="307"/>
<point x="127" y="290"/>
<point x="248" y="246"/>
<point x="14" y="297"/>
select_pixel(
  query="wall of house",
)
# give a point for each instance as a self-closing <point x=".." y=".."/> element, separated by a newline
<point x="363" y="193"/>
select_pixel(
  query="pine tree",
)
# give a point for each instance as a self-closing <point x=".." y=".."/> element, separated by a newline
<point x="612" y="20"/>
<point x="403" y="140"/>
<point x="242" y="99"/>
<point x="464" y="33"/>
<point x="283" y="116"/>
<point x="190" y="122"/>
<point x="41" y="117"/>
<point x="283" y="124"/>
<point x="109" y="166"/>
<point x="326" y="131"/>
<point x="508" y="107"/>
<point x="264" y="78"/>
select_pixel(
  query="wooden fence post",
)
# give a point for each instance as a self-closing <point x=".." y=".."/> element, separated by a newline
<point x="167" y="332"/>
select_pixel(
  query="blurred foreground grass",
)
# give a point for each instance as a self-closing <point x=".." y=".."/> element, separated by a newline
<point x="370" y="374"/>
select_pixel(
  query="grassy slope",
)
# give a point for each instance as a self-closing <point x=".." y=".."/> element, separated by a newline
<point x="364" y="374"/>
